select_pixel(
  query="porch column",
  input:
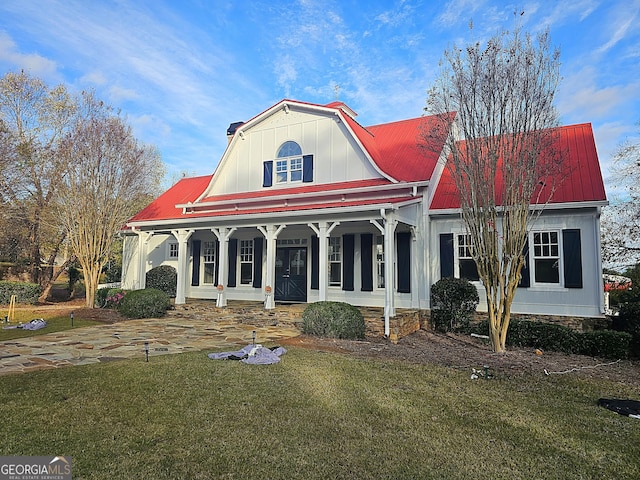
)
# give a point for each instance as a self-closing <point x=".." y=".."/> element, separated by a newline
<point x="143" y="241"/>
<point x="271" y="233"/>
<point x="182" y="236"/>
<point x="223" y="234"/>
<point x="323" y="231"/>
<point x="388" y="230"/>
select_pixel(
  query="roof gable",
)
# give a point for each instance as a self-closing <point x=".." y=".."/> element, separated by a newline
<point x="583" y="181"/>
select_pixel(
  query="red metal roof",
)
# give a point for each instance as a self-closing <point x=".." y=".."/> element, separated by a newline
<point x="164" y="207"/>
<point x="583" y="182"/>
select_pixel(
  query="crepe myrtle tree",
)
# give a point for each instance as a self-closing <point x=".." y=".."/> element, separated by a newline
<point x="621" y="220"/>
<point x="111" y="176"/>
<point x="502" y="92"/>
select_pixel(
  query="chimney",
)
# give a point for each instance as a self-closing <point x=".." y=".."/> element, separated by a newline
<point x="232" y="130"/>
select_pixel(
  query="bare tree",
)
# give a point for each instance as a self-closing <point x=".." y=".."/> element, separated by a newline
<point x="110" y="174"/>
<point x="33" y="119"/>
<point x="503" y="94"/>
<point x="621" y="220"/>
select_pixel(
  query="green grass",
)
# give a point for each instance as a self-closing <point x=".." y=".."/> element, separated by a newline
<point x="315" y="416"/>
<point x="55" y="323"/>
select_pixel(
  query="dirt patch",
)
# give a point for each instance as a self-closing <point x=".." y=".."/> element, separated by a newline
<point x="466" y="353"/>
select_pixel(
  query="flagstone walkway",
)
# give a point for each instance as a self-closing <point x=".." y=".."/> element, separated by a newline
<point x="183" y="331"/>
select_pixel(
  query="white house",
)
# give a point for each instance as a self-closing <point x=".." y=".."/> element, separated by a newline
<point x="306" y="205"/>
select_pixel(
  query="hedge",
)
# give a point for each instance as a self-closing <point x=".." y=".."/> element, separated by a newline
<point x="163" y="277"/>
<point x="558" y="338"/>
<point x="24" y="292"/>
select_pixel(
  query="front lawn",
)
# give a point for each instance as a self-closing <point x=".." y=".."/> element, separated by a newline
<point x="57" y="321"/>
<point x="315" y="415"/>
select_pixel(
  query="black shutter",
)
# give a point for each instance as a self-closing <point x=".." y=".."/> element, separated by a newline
<point x="267" y="173"/>
<point x="195" y="255"/>
<point x="233" y="253"/>
<point x="315" y="263"/>
<point x="446" y="255"/>
<point x="307" y="168"/>
<point x="572" y="251"/>
<point x="525" y="276"/>
<point x="348" y="243"/>
<point x="404" y="262"/>
<point x="257" y="262"/>
<point x="366" y="261"/>
<point x="215" y="274"/>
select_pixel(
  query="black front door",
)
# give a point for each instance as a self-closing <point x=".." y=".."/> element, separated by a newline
<point x="291" y="274"/>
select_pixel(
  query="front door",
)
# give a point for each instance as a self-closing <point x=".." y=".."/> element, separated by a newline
<point x="291" y="274"/>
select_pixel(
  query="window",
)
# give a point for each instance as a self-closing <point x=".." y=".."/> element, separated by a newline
<point x="209" y="262"/>
<point x="289" y="163"/>
<point x="546" y="257"/>
<point x="379" y="261"/>
<point x="173" y="250"/>
<point x="335" y="261"/>
<point x="466" y="265"/>
<point x="246" y="262"/>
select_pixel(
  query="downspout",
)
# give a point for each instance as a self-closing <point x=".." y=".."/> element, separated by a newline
<point x="598" y="244"/>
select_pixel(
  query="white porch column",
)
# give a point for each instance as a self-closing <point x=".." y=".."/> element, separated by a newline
<point x="223" y="234"/>
<point x="182" y="236"/>
<point x="389" y="256"/>
<point x="323" y="231"/>
<point x="271" y="233"/>
<point x="143" y="241"/>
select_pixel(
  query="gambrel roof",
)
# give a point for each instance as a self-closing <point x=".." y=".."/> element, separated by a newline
<point x="395" y="150"/>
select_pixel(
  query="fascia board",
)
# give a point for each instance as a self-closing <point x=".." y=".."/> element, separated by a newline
<point x="276" y="197"/>
<point x="550" y="206"/>
<point x="253" y="219"/>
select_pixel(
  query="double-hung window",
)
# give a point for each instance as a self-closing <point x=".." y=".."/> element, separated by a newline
<point x="379" y="261"/>
<point x="246" y="262"/>
<point x="173" y="250"/>
<point x="335" y="261"/>
<point x="546" y="257"/>
<point x="209" y="262"/>
<point x="466" y="265"/>
<point x="289" y="163"/>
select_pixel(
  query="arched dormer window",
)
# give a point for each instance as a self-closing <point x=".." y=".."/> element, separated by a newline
<point x="291" y="166"/>
<point x="289" y="163"/>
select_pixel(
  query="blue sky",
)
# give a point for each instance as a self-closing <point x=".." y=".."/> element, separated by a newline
<point x="181" y="71"/>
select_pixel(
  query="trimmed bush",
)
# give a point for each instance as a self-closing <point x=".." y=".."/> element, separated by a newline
<point x="24" y="292"/>
<point x="146" y="303"/>
<point x="545" y="336"/>
<point x="453" y="302"/>
<point x="163" y="277"/>
<point x="333" y="319"/>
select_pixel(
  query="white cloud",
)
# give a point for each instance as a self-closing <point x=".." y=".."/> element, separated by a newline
<point x="33" y="63"/>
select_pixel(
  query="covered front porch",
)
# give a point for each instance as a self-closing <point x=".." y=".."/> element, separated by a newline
<point x="405" y="322"/>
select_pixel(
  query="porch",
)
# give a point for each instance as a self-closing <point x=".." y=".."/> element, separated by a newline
<point x="404" y="323"/>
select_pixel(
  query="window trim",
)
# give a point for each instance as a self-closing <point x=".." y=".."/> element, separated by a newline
<point x="208" y="255"/>
<point x="171" y="248"/>
<point x="336" y="260"/>
<point x="456" y="255"/>
<point x="284" y="165"/>
<point x="245" y="257"/>
<point x="532" y="260"/>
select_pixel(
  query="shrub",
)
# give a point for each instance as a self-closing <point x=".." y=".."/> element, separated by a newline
<point x="545" y="336"/>
<point x="453" y="302"/>
<point x="605" y="343"/>
<point x="74" y="276"/>
<point x="109" y="297"/>
<point x="24" y="292"/>
<point x="628" y="321"/>
<point x="333" y="319"/>
<point x="146" y="303"/>
<point x="163" y="277"/>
